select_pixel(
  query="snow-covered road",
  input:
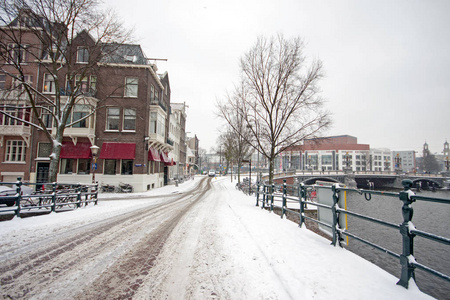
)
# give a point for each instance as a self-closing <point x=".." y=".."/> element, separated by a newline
<point x="201" y="240"/>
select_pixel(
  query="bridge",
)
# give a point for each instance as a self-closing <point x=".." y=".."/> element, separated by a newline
<point x="374" y="180"/>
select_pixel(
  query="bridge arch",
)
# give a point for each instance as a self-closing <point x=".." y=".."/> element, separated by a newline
<point x="426" y="183"/>
<point x="313" y="180"/>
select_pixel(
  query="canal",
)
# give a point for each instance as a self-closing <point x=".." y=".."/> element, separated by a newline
<point x="430" y="217"/>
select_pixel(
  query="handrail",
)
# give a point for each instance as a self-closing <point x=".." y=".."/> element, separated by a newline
<point x="406" y="229"/>
<point x="51" y="198"/>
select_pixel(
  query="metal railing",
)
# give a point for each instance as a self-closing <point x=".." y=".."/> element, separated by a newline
<point x="53" y="197"/>
<point x="276" y="196"/>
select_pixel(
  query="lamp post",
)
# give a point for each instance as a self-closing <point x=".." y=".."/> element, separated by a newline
<point x="94" y="150"/>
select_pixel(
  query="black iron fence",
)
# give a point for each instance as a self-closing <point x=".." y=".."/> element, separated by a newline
<point x="278" y="196"/>
<point x="19" y="197"/>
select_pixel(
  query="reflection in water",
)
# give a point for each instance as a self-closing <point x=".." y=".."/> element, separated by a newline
<point x="430" y="217"/>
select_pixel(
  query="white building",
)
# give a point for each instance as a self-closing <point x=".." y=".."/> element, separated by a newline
<point x="407" y="160"/>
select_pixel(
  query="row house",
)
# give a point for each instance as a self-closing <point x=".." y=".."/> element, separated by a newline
<point x="124" y="108"/>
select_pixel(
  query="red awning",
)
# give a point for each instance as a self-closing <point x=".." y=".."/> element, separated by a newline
<point x="172" y="163"/>
<point x="118" y="151"/>
<point x="80" y="150"/>
<point x="164" y="158"/>
<point x="153" y="155"/>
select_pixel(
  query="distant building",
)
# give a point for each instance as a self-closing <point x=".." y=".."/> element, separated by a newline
<point x="407" y="160"/>
<point x="334" y="153"/>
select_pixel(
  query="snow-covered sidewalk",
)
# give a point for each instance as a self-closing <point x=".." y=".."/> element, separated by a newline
<point x="228" y="248"/>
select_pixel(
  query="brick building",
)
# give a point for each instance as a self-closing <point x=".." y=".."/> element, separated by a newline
<point x="123" y="107"/>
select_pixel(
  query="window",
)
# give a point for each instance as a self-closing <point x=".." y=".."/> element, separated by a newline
<point x="112" y="119"/>
<point x="93" y="84"/>
<point x="152" y="93"/>
<point x="46" y="116"/>
<point x="48" y="53"/>
<point x="153" y="122"/>
<point x="15" y="111"/>
<point x="81" y="84"/>
<point x="49" y="84"/>
<point x="156" y="97"/>
<point x="67" y="166"/>
<point x="44" y="149"/>
<point x="326" y="160"/>
<point x="15" y="151"/>
<point x="110" y="167"/>
<point x="16" y="53"/>
<point x="129" y="119"/>
<point x="2" y="81"/>
<point x="131" y="87"/>
<point x="80" y="111"/>
<point x="127" y="167"/>
<point x="82" y="55"/>
<point x="83" y="166"/>
<point x="17" y="84"/>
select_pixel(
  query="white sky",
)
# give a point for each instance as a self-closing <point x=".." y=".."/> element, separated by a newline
<point x="387" y="63"/>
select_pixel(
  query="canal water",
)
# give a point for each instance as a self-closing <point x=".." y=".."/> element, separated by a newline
<point x="430" y="217"/>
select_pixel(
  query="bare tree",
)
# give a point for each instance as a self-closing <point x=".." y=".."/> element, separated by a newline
<point x="277" y="98"/>
<point x="65" y="40"/>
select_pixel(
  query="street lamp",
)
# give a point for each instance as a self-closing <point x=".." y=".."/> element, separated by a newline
<point x="94" y="150"/>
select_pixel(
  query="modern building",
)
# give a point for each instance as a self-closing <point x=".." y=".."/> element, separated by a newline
<point x="405" y="160"/>
<point x="332" y="154"/>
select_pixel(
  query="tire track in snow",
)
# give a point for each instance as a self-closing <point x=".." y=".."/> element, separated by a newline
<point x="61" y="259"/>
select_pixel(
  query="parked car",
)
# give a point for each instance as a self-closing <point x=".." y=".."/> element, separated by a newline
<point x="7" y="191"/>
<point x="212" y="173"/>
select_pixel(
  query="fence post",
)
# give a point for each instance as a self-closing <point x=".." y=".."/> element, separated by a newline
<point x="54" y="197"/>
<point x="407" y="237"/>
<point x="257" y="193"/>
<point x="78" y="195"/>
<point x="19" y="196"/>
<point x="96" y="193"/>
<point x="263" y="205"/>
<point x="283" y="206"/>
<point x="301" y="196"/>
<point x="271" y="196"/>
<point x="336" y="234"/>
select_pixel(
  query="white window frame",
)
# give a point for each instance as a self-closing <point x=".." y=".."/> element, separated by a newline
<point x="112" y="117"/>
<point x="131" y="87"/>
<point x="15" y="151"/>
<point x="82" y="52"/>
<point x="129" y="114"/>
<point x="49" y="84"/>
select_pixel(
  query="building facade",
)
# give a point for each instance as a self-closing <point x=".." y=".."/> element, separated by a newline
<point x="334" y="153"/>
<point x="122" y="107"/>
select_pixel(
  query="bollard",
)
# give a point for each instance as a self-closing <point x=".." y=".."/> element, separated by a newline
<point x="407" y="237"/>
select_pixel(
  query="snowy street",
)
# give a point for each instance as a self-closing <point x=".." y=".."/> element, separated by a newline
<point x="201" y="240"/>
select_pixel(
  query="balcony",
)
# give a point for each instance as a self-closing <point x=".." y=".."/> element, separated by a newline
<point x="160" y="104"/>
<point x="15" y="130"/>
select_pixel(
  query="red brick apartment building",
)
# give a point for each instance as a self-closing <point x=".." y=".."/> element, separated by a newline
<point x="129" y="100"/>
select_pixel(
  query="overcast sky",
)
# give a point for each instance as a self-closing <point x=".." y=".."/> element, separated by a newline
<point x="387" y="63"/>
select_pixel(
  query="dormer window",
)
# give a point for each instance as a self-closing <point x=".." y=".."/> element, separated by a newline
<point x="130" y="58"/>
<point x="82" y="55"/>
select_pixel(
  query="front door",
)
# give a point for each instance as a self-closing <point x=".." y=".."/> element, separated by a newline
<point x="42" y="174"/>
